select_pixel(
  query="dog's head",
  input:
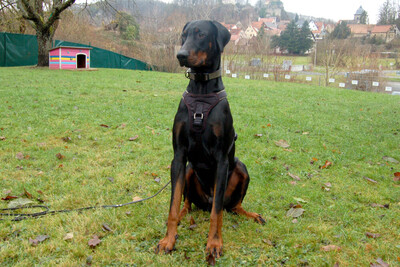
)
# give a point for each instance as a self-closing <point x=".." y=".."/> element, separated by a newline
<point x="202" y="43"/>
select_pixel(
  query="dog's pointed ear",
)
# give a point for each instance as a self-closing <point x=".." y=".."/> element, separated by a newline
<point x="183" y="30"/>
<point x="223" y="35"/>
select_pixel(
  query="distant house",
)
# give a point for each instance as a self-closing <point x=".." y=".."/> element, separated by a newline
<point x="360" y="30"/>
<point x="385" y="32"/>
<point x="318" y="29"/>
<point x="257" y="25"/>
<point x="250" y="32"/>
<point x="268" y="20"/>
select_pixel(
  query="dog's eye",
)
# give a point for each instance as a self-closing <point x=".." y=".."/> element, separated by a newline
<point x="201" y="35"/>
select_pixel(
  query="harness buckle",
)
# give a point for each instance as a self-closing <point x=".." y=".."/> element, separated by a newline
<point x="198" y="116"/>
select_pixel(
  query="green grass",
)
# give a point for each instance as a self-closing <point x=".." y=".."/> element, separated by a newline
<point x="351" y="129"/>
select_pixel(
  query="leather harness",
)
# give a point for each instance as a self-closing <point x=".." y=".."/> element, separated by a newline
<point x="200" y="106"/>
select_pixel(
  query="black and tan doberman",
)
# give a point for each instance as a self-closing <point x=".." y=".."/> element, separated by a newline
<point x="204" y="169"/>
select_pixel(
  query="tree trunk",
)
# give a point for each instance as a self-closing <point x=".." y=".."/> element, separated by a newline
<point x="44" y="44"/>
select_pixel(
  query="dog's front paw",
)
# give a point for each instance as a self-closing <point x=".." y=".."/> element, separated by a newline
<point x="166" y="244"/>
<point x="213" y="250"/>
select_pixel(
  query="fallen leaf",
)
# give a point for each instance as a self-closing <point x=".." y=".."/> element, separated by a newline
<point x="268" y="242"/>
<point x="326" y="186"/>
<point x="314" y="159"/>
<point x="19" y="156"/>
<point x="136" y="198"/>
<point x="8" y="198"/>
<point x="389" y="159"/>
<point x="27" y="194"/>
<point x="375" y="205"/>
<point x="66" y="139"/>
<point x="60" y="156"/>
<point x="18" y="203"/>
<point x="294" y="221"/>
<point x="104" y="125"/>
<point x="295" y="177"/>
<point x="396" y="177"/>
<point x="258" y="135"/>
<point x="38" y="239"/>
<point x="94" y="241"/>
<point x="379" y="263"/>
<point x="370" y="180"/>
<point x="192" y="223"/>
<point x="2" y="138"/>
<point x="368" y="246"/>
<point x="68" y="236"/>
<point x="282" y="143"/>
<point x="157" y="179"/>
<point x="372" y="235"/>
<point x="295" y="212"/>
<point x="326" y="165"/>
<point x="134" y="138"/>
<point x="331" y="248"/>
<point x="123" y="125"/>
<point x="106" y="227"/>
<point x="300" y="200"/>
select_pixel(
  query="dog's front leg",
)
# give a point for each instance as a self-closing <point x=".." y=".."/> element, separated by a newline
<point x="214" y="243"/>
<point x="177" y="183"/>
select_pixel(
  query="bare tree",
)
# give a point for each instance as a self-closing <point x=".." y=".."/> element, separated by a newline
<point x="44" y="17"/>
<point x="331" y="55"/>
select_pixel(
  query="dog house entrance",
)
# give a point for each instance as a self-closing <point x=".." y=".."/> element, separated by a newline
<point x="81" y="61"/>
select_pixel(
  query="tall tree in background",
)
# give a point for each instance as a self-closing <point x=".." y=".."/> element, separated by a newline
<point x="341" y="31"/>
<point x="43" y="16"/>
<point x="305" y="38"/>
<point x="294" y="40"/>
<point x="364" y="18"/>
<point x="387" y="13"/>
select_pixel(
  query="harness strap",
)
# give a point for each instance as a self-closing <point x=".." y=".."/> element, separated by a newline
<point x="200" y="106"/>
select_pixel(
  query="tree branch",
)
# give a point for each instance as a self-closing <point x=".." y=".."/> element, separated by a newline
<point x="29" y="13"/>
<point x="56" y="10"/>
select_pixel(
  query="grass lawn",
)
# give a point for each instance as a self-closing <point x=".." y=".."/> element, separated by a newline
<point x="65" y="139"/>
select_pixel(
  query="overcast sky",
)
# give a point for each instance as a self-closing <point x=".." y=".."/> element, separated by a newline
<point x="331" y="9"/>
<point x="334" y="9"/>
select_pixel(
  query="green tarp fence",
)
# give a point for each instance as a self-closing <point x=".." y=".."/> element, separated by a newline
<point x="22" y="50"/>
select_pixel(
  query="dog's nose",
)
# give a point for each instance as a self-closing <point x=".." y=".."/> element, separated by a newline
<point x="182" y="56"/>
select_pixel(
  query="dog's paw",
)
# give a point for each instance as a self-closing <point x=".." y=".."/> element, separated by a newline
<point x="260" y="219"/>
<point x="213" y="250"/>
<point x="165" y="245"/>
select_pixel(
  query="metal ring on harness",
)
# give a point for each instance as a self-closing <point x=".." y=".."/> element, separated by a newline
<point x="195" y="116"/>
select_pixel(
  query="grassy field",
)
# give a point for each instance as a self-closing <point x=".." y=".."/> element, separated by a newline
<point x="73" y="138"/>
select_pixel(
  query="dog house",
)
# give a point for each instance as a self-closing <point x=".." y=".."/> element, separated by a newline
<point x="69" y="57"/>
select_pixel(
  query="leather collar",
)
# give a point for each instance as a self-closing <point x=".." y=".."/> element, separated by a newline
<point x="202" y="77"/>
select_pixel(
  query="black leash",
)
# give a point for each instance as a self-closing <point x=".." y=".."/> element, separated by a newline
<point x="46" y="211"/>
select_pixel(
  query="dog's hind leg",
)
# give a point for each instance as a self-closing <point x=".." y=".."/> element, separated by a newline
<point x="236" y="191"/>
